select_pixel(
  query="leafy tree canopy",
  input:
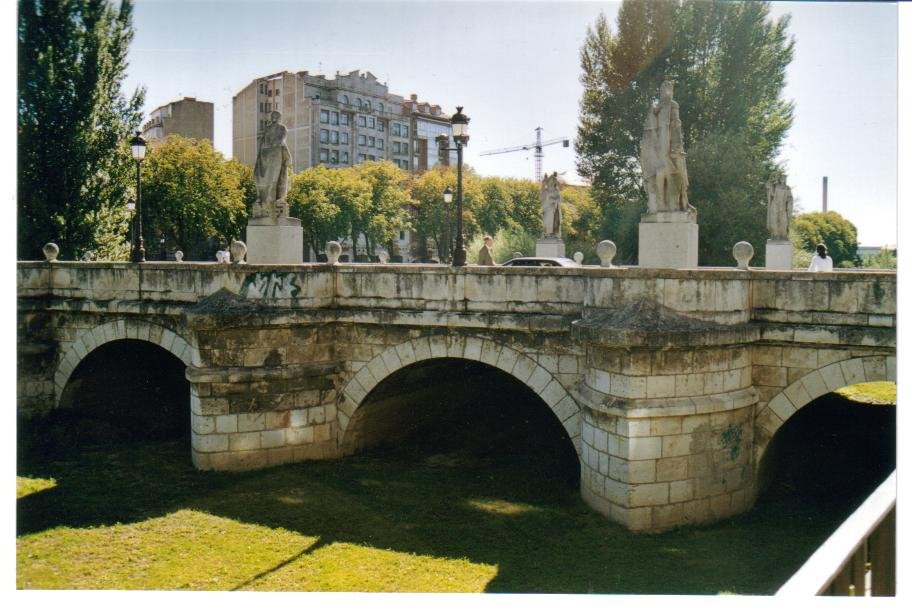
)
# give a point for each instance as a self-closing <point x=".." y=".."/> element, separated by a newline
<point x="728" y="62"/>
<point x="75" y="171"/>
<point x="838" y="234"/>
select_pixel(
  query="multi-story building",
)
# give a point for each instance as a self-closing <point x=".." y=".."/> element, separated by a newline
<point x="187" y="117"/>
<point x="339" y="121"/>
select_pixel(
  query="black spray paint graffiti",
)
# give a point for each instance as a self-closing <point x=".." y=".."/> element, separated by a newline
<point x="270" y="286"/>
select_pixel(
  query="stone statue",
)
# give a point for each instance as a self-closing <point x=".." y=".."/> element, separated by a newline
<point x="662" y="157"/>
<point x="551" y="206"/>
<point x="779" y="203"/>
<point x="271" y="171"/>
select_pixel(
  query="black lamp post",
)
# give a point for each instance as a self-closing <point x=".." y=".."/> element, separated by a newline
<point x="448" y="199"/>
<point x="138" y="149"/>
<point x="161" y="248"/>
<point x="460" y="124"/>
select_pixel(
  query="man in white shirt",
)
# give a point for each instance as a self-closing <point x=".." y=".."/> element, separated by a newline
<point x="821" y="262"/>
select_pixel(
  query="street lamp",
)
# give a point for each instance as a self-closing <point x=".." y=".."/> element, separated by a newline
<point x="460" y="123"/>
<point x="161" y="248"/>
<point x="448" y="199"/>
<point x="131" y="207"/>
<point x="138" y="149"/>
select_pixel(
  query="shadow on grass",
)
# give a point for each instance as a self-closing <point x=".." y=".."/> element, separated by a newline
<point x="517" y="512"/>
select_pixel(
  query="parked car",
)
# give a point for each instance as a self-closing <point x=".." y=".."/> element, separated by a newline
<point x="529" y="261"/>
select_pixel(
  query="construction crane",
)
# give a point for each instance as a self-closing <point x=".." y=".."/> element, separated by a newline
<point x="537" y="145"/>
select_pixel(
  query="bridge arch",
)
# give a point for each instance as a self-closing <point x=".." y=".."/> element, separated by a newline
<point x="815" y="384"/>
<point x="474" y="348"/>
<point x="123" y="329"/>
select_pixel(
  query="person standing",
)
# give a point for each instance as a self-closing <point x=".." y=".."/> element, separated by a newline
<point x="486" y="253"/>
<point x="821" y="262"/>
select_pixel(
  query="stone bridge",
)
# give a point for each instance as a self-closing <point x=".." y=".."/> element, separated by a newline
<point x="669" y="383"/>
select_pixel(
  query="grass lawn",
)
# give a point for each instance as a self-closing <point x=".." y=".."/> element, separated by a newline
<point x="141" y="517"/>
<point x="874" y="393"/>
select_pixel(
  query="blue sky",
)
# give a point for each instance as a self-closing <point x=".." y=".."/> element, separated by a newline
<point x="515" y="66"/>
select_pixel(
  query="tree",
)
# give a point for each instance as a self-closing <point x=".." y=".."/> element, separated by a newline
<point x="385" y="213"/>
<point x="327" y="201"/>
<point x="194" y="197"/>
<point x="728" y="61"/>
<point x="75" y="171"/>
<point x="838" y="234"/>
<point x="434" y="219"/>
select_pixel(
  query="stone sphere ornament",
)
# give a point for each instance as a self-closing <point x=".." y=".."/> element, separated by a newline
<point x="178" y="256"/>
<point x="578" y="257"/>
<point x="606" y="250"/>
<point x="333" y="251"/>
<point x="743" y="252"/>
<point x="238" y="252"/>
<point x="51" y="251"/>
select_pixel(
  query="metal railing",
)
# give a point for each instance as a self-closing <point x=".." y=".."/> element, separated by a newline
<point x="859" y="558"/>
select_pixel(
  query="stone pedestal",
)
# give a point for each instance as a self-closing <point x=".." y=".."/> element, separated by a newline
<point x="550" y="247"/>
<point x="779" y="255"/>
<point x="668" y="239"/>
<point x="275" y="242"/>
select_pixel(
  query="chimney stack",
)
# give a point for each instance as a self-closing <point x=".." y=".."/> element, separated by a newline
<point x="824" y="193"/>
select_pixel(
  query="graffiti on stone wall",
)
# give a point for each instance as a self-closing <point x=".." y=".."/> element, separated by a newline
<point x="731" y="440"/>
<point x="270" y="286"/>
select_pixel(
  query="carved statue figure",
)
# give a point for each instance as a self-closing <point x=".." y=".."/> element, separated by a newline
<point x="551" y="205"/>
<point x="271" y="171"/>
<point x="779" y="203"/>
<point x="662" y="156"/>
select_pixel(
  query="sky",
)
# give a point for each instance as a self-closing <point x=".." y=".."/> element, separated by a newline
<point x="515" y="67"/>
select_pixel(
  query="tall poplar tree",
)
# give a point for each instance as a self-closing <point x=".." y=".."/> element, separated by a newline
<point x="728" y="61"/>
<point x="75" y="171"/>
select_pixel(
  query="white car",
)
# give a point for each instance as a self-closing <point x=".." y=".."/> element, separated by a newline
<point x="565" y="262"/>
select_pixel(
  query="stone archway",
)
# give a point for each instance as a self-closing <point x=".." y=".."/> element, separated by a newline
<point x="122" y="329"/>
<point x="815" y="384"/>
<point x="514" y="363"/>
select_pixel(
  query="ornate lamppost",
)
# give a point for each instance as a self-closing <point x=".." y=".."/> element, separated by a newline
<point x="448" y="200"/>
<point x="460" y="124"/>
<point x="138" y="149"/>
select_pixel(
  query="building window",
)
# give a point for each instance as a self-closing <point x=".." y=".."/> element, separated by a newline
<point x="371" y="157"/>
<point x="380" y="106"/>
<point x="397" y="129"/>
<point x="262" y="88"/>
<point x="324" y="116"/>
<point x="362" y="158"/>
<point x="269" y="93"/>
<point x="334" y="137"/>
<point x="343" y="119"/>
<point x="334" y="157"/>
<point x="362" y="121"/>
<point x="334" y="118"/>
<point x="362" y="140"/>
<point x="324" y="155"/>
<point x="371" y="142"/>
<point x="380" y="126"/>
<point x="402" y="235"/>
<point x="380" y="143"/>
<point x="344" y="157"/>
<point x="360" y="103"/>
<point x="367" y="105"/>
<point x="404" y="130"/>
<point x="344" y="99"/>
<point x="343" y="138"/>
<point x="371" y="122"/>
<point x="324" y="136"/>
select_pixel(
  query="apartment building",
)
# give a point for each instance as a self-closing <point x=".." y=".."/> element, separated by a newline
<point x="339" y="122"/>
<point x="188" y="117"/>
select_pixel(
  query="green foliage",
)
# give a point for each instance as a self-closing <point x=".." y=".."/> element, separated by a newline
<point x="327" y="201"/>
<point x="885" y="258"/>
<point x="728" y="62"/>
<point x="838" y="234"/>
<point x="194" y="197"/>
<point x="385" y="213"/>
<point x="434" y="219"/>
<point x="75" y="171"/>
<point x="580" y="222"/>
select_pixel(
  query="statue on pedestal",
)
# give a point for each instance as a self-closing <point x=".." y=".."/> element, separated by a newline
<point x="779" y="204"/>
<point x="551" y="206"/>
<point x="271" y="171"/>
<point x="662" y="157"/>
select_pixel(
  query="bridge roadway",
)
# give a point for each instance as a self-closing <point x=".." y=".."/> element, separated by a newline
<point x="670" y="383"/>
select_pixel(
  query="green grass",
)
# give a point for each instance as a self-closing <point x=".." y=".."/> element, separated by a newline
<point x="141" y="517"/>
<point x="874" y="393"/>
